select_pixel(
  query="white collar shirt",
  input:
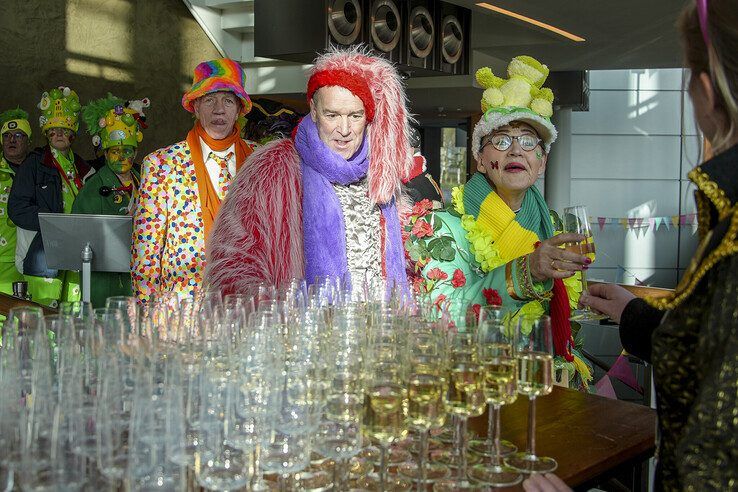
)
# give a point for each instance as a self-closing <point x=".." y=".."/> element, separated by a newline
<point x="213" y="167"/>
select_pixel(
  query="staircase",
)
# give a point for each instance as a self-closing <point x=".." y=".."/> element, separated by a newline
<point x="230" y="26"/>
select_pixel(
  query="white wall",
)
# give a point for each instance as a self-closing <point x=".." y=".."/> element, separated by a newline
<point x="630" y="154"/>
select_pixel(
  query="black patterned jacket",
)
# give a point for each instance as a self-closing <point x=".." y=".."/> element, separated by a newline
<point x="691" y="338"/>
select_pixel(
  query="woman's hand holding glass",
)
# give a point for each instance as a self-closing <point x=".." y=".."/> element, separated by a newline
<point x="550" y="260"/>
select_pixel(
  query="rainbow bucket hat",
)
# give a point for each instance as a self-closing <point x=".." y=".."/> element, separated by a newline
<point x="222" y="74"/>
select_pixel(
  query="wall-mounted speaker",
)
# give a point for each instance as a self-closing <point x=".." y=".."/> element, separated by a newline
<point x="424" y="37"/>
<point x="345" y="20"/>
<point x="297" y="30"/>
<point x="384" y="27"/>
<point x="419" y="43"/>
<point x="453" y="39"/>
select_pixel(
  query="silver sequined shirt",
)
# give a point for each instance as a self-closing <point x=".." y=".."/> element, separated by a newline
<point x="363" y="235"/>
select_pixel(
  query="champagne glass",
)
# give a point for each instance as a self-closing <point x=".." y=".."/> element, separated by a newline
<point x="497" y="342"/>
<point x="385" y="401"/>
<point x="576" y="220"/>
<point x="535" y="368"/>
<point x="427" y="386"/>
<point x="464" y="399"/>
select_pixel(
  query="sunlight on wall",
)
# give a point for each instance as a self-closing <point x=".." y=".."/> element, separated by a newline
<point x="87" y="55"/>
<point x="640" y="82"/>
<point x="99" y="70"/>
<point x="644" y="80"/>
<point x="114" y="16"/>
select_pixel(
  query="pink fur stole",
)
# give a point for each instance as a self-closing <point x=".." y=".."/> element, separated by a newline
<point x="257" y="235"/>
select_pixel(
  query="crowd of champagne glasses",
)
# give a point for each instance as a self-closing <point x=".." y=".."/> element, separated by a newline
<point x="299" y="388"/>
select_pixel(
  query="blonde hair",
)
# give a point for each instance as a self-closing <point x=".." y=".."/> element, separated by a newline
<point x="719" y="59"/>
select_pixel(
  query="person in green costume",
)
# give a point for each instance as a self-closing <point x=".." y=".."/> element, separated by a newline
<point x="15" y="134"/>
<point x="115" y="127"/>
<point x="48" y="181"/>
<point x="496" y="243"/>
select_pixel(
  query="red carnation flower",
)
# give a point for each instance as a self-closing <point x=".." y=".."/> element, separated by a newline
<point x="422" y="208"/>
<point x="422" y="229"/>
<point x="492" y="297"/>
<point x="458" y="280"/>
<point x="436" y="274"/>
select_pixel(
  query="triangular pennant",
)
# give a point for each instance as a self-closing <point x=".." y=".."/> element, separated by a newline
<point x="652" y="223"/>
<point x="665" y="221"/>
<point x="631" y="223"/>
<point x="601" y="221"/>
<point x="604" y="388"/>
<point x="624" y="223"/>
<point x="675" y="220"/>
<point x="622" y="371"/>
<point x="682" y="220"/>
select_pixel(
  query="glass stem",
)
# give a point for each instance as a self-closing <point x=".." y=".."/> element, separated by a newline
<point x="584" y="287"/>
<point x="382" y="466"/>
<point x="256" y="477"/>
<point x="490" y="429"/>
<point x="532" y="426"/>
<point x="283" y="482"/>
<point x="340" y="474"/>
<point x="461" y="443"/>
<point x="497" y="460"/>
<point x="421" y="459"/>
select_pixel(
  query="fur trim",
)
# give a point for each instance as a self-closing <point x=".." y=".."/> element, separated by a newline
<point x="388" y="134"/>
<point x="491" y="120"/>
<point x="257" y="235"/>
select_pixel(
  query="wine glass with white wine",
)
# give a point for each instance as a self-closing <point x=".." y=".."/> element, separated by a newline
<point x="497" y="340"/>
<point x="535" y="378"/>
<point x="576" y="220"/>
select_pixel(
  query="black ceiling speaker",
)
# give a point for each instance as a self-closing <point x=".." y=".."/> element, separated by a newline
<point x="420" y="36"/>
<point x="424" y="37"/>
<point x="453" y="39"/>
<point x="384" y="27"/>
<point x="345" y="21"/>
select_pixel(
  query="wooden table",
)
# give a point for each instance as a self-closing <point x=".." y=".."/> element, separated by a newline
<point x="588" y="435"/>
<point x="8" y="302"/>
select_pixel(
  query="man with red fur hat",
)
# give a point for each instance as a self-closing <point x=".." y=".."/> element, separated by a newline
<point x="325" y="202"/>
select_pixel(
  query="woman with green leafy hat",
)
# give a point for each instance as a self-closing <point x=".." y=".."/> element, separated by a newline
<point x="115" y="127"/>
<point x="496" y="242"/>
<point x="48" y="181"/>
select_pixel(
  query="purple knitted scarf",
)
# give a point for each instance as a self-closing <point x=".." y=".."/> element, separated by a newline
<point x="322" y="219"/>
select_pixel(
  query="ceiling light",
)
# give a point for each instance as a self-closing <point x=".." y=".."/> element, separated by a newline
<point x="538" y="23"/>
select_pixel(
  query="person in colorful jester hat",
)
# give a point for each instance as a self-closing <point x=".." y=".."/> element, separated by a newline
<point x="182" y="185"/>
<point x="110" y="191"/>
<point x="48" y="181"/>
<point x="15" y="133"/>
<point x="495" y="243"/>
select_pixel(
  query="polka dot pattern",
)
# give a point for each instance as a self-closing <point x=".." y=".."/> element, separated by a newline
<point x="168" y="239"/>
